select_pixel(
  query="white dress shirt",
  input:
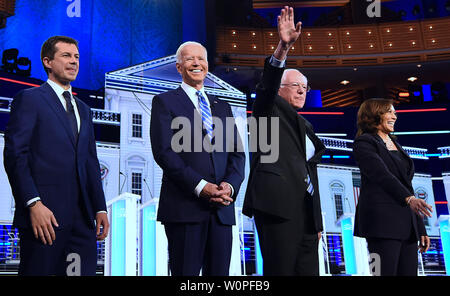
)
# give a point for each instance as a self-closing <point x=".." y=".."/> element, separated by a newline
<point x="192" y="94"/>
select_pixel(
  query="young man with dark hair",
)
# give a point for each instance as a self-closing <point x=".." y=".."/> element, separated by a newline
<point x="51" y="162"/>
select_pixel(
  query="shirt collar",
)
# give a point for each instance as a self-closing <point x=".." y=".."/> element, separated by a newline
<point x="58" y="88"/>
<point x="192" y="91"/>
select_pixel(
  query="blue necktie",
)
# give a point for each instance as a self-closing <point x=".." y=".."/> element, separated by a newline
<point x="310" y="187"/>
<point x="206" y="114"/>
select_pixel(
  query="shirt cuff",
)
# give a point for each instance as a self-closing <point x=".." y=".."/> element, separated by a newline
<point x="28" y="203"/>
<point x="277" y="63"/>
<point x="102" y="212"/>
<point x="200" y="187"/>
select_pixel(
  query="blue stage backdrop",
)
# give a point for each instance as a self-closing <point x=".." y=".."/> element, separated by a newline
<point x="112" y="34"/>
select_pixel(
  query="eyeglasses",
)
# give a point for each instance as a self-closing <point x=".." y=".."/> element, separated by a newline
<point x="307" y="88"/>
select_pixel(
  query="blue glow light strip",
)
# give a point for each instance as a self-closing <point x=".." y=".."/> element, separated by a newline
<point x="258" y="255"/>
<point x="118" y="238"/>
<point x="330" y="135"/>
<point x="148" y="241"/>
<point x="444" y="227"/>
<point x="348" y="245"/>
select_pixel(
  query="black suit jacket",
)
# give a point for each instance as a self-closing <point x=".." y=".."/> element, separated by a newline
<point x="382" y="211"/>
<point x="42" y="157"/>
<point x="279" y="188"/>
<point x="183" y="171"/>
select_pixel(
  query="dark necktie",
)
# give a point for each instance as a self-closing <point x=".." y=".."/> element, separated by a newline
<point x="71" y="114"/>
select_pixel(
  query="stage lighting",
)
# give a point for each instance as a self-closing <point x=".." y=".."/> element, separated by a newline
<point x="23" y="67"/>
<point x="9" y="59"/>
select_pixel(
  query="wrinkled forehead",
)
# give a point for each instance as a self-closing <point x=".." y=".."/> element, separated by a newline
<point x="293" y="75"/>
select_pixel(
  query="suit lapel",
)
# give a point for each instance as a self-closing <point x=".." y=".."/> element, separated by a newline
<point x="52" y="99"/>
<point x="301" y="123"/>
<point x="398" y="169"/>
<point x="296" y="122"/>
<point x="188" y="108"/>
<point x="406" y="155"/>
<point x="83" y="120"/>
<point x="319" y="147"/>
<point x="302" y="127"/>
<point x="212" y="105"/>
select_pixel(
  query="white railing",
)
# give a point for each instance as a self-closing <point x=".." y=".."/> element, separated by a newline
<point x="105" y="116"/>
<point x="418" y="153"/>
<point x="445" y="152"/>
<point x="336" y="144"/>
<point x="5" y="104"/>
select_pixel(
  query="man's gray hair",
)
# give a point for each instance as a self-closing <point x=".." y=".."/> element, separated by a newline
<point x="286" y="71"/>
<point x="180" y="49"/>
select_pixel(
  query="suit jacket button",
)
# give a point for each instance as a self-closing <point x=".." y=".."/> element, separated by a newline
<point x="306" y="180"/>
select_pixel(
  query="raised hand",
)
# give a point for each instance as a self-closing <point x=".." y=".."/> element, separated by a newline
<point x="287" y="31"/>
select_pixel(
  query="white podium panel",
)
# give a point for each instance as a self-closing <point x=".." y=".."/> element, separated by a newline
<point x="121" y="243"/>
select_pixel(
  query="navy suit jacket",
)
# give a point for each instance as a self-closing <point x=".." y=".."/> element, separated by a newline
<point x="382" y="211"/>
<point x="183" y="171"/>
<point x="42" y="158"/>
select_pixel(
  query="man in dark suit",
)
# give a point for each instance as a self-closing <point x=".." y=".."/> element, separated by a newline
<point x="51" y="161"/>
<point x="198" y="186"/>
<point x="283" y="195"/>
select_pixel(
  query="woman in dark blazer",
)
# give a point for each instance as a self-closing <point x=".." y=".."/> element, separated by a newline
<point x="387" y="215"/>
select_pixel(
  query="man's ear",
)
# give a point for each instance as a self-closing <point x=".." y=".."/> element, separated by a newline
<point x="178" y="67"/>
<point x="280" y="92"/>
<point x="46" y="62"/>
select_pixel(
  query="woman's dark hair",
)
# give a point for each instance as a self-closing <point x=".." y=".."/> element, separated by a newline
<point x="48" y="49"/>
<point x="369" y="115"/>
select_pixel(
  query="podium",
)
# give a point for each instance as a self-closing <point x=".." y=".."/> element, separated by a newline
<point x="153" y="249"/>
<point x="346" y="223"/>
<point x="121" y="243"/>
<point x="356" y="256"/>
<point x="444" y="226"/>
